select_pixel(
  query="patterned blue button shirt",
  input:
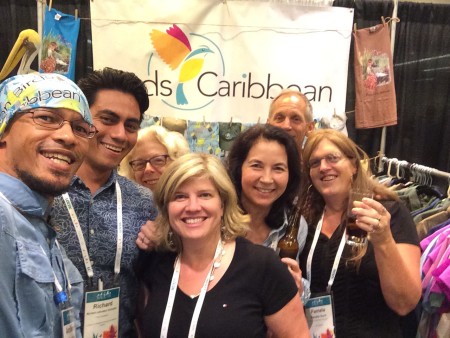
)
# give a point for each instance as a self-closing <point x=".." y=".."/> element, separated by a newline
<point x="97" y="215"/>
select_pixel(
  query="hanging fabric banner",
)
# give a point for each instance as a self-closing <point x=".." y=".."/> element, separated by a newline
<point x="212" y="60"/>
<point x="59" y="43"/>
<point x="376" y="104"/>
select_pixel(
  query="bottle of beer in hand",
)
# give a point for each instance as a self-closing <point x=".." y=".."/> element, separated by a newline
<point x="288" y="244"/>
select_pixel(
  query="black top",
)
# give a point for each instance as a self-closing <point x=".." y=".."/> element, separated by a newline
<point x="256" y="284"/>
<point x="359" y="306"/>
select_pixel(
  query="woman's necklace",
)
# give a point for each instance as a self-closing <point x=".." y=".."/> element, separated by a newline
<point x="220" y="252"/>
<point x="217" y="261"/>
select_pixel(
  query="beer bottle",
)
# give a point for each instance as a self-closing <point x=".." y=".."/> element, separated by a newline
<point x="288" y="244"/>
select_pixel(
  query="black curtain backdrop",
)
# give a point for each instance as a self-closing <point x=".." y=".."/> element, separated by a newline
<point x="421" y="67"/>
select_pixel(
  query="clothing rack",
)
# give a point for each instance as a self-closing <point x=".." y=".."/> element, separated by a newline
<point x="422" y="173"/>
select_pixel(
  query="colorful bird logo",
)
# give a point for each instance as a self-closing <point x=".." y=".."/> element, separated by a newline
<point x="174" y="48"/>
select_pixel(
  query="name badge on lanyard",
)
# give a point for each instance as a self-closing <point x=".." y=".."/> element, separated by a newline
<point x="320" y="315"/>
<point x="319" y="308"/>
<point x="68" y="323"/>
<point x="102" y="306"/>
<point x="101" y="313"/>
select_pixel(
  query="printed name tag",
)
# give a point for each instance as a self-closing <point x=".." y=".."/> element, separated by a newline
<point x="319" y="314"/>
<point x="68" y="323"/>
<point x="101" y="313"/>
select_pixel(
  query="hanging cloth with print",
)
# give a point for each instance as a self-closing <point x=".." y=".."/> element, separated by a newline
<point x="59" y="43"/>
<point x="228" y="131"/>
<point x="374" y="78"/>
<point x="203" y="137"/>
<point x="150" y="120"/>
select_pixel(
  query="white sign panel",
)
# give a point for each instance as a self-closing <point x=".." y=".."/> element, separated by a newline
<point x="217" y="60"/>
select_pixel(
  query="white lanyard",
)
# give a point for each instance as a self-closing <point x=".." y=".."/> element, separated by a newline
<point x="336" y="259"/>
<point x="201" y="297"/>
<point x="69" y="285"/>
<point x="56" y="281"/>
<point x="84" y="250"/>
<point x="6" y="199"/>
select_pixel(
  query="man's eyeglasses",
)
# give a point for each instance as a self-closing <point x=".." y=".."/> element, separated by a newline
<point x="330" y="158"/>
<point x="156" y="162"/>
<point x="51" y="120"/>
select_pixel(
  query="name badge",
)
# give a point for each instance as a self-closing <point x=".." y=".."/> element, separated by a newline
<point x="101" y="313"/>
<point x="320" y="316"/>
<point x="68" y="323"/>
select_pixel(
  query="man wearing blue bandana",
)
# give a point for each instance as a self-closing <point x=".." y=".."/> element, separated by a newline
<point x="45" y="124"/>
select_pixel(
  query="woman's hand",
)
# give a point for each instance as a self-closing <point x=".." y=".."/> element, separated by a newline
<point x="373" y="217"/>
<point x="295" y="271"/>
<point x="146" y="236"/>
<point x="398" y="263"/>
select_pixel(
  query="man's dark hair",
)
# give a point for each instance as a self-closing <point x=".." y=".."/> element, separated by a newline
<point x="109" y="78"/>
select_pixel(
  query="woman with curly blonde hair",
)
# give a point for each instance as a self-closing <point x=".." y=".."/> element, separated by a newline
<point x="155" y="148"/>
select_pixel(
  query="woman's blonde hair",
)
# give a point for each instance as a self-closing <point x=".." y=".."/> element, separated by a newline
<point x="173" y="141"/>
<point x="197" y="165"/>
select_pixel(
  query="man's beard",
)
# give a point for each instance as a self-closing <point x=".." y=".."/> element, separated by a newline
<point x="43" y="187"/>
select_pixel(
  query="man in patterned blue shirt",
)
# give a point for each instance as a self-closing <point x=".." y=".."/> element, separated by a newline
<point x="107" y="210"/>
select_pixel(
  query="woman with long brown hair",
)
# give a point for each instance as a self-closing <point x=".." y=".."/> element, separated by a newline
<point x="372" y="285"/>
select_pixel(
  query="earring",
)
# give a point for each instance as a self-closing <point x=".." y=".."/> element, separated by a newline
<point x="170" y="241"/>
<point x="223" y="231"/>
<point x="309" y="197"/>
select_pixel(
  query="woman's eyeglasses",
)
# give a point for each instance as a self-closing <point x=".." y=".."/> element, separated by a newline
<point x="156" y="162"/>
<point x="330" y="158"/>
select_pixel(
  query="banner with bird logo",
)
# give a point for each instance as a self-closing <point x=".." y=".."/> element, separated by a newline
<point x="216" y="60"/>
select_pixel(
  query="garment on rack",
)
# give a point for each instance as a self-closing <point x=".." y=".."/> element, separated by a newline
<point x="423" y="200"/>
<point x="439" y="227"/>
<point x="425" y="227"/>
<point x="410" y="197"/>
<point x="430" y="204"/>
<point x="420" y="198"/>
<point x="435" y="268"/>
<point x="442" y="205"/>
